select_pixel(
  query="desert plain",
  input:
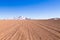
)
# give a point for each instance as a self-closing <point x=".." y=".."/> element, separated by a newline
<point x="29" y="29"/>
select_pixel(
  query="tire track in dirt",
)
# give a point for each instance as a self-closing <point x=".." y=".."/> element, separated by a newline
<point x="50" y="27"/>
<point x="39" y="30"/>
<point x="47" y="29"/>
<point x="30" y="30"/>
<point x="10" y="32"/>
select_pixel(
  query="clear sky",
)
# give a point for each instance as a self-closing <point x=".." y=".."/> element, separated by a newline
<point x="30" y="8"/>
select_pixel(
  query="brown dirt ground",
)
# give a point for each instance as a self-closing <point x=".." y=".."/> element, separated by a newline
<point x="29" y="29"/>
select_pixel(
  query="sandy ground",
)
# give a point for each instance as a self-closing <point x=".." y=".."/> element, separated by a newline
<point x="29" y="30"/>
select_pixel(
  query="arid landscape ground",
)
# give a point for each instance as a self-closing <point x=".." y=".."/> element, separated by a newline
<point x="29" y="29"/>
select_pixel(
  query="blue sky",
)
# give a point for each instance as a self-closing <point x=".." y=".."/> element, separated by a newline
<point x="30" y="8"/>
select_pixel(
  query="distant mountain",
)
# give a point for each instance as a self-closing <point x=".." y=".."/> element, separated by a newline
<point x="54" y="19"/>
